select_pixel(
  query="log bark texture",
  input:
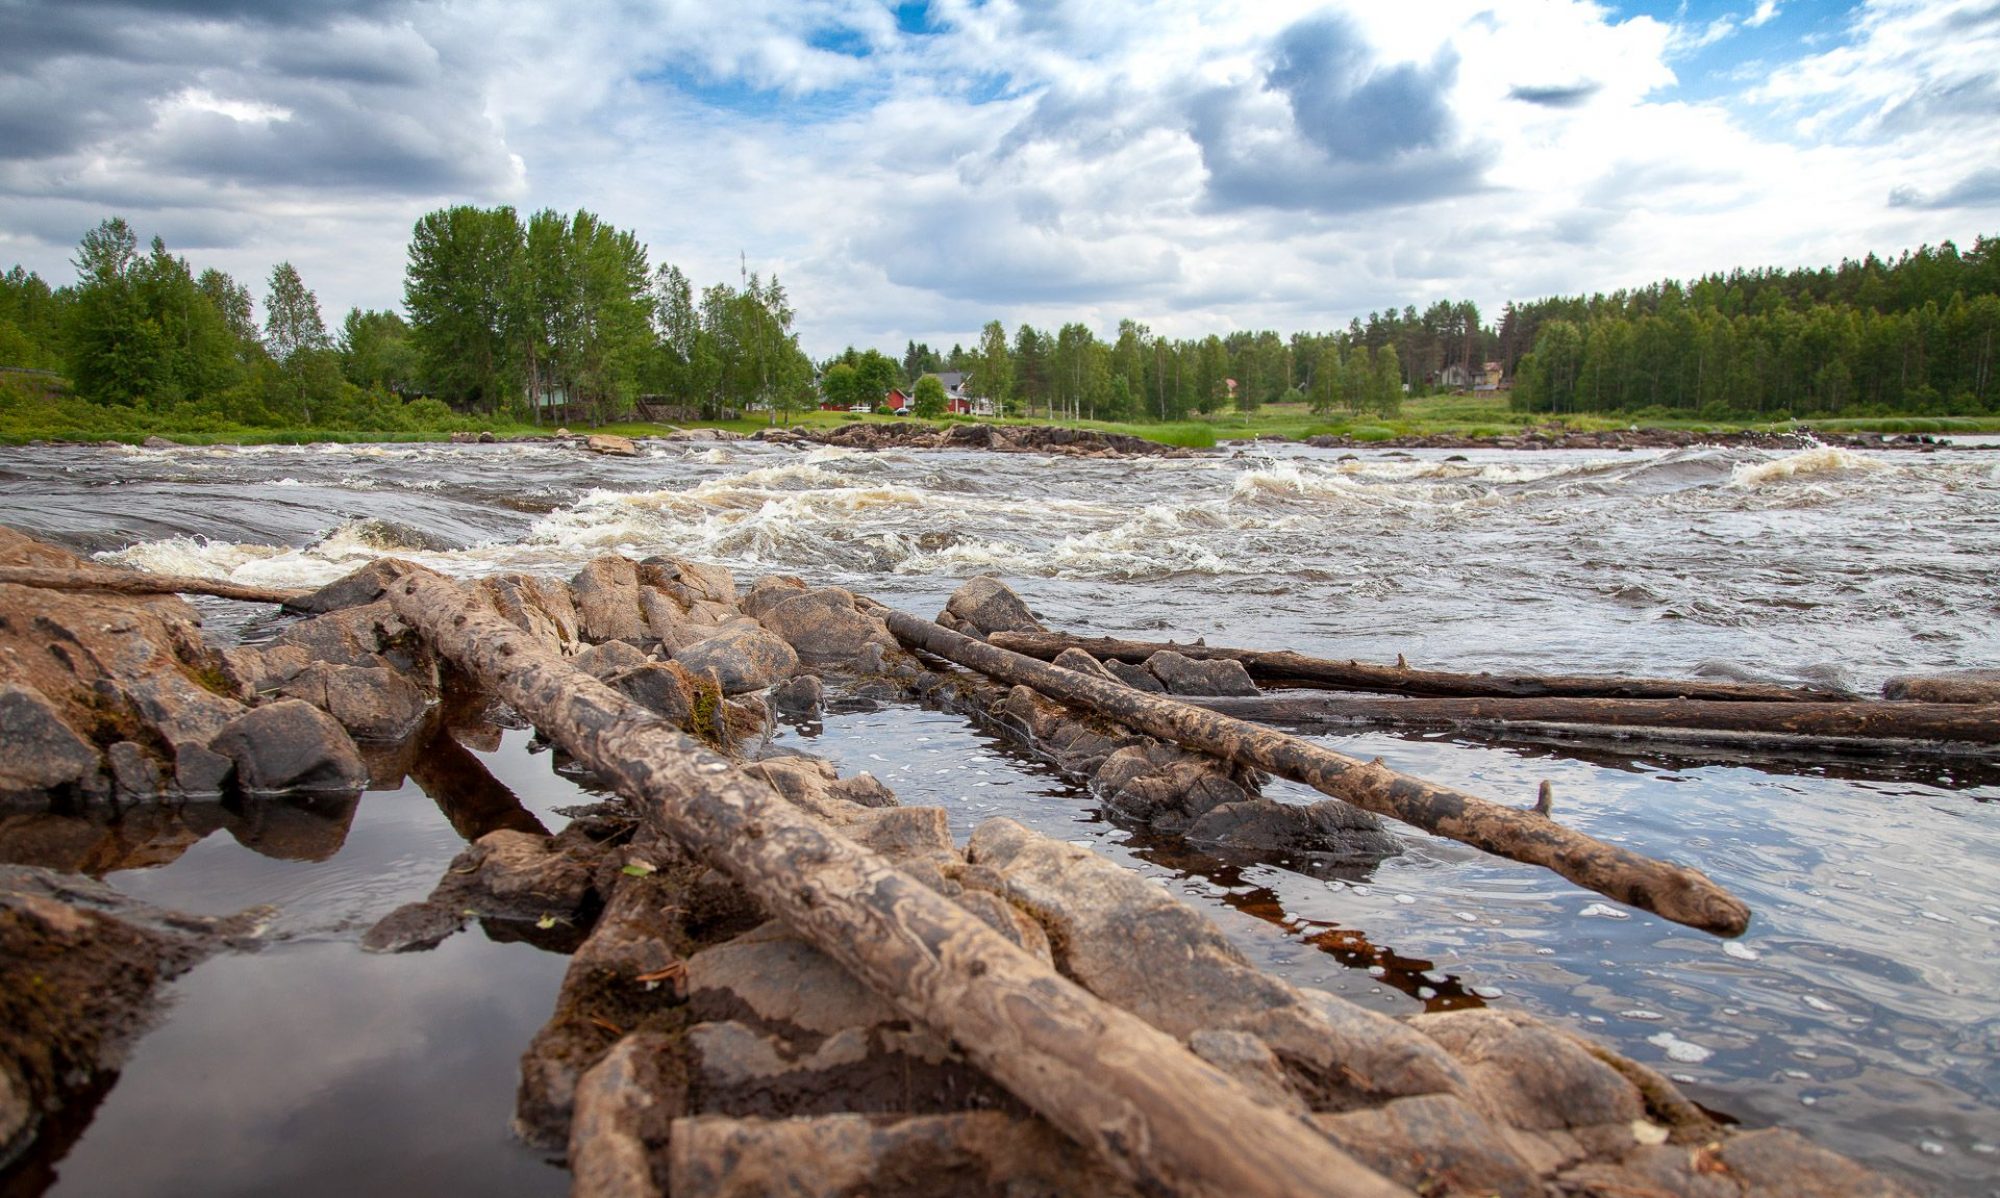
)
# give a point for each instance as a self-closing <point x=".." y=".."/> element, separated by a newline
<point x="1683" y="895"/>
<point x="1801" y="722"/>
<point x="1158" y="1115"/>
<point x="1279" y="668"/>
<point x="133" y="582"/>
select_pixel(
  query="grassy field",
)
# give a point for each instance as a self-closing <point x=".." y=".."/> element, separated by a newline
<point x="42" y="412"/>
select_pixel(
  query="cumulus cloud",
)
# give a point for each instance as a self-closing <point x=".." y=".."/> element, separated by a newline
<point x="1199" y="164"/>
<point x="1329" y="128"/>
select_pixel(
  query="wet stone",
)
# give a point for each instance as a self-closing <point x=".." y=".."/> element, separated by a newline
<point x="743" y="659"/>
<point x="824" y="628"/>
<point x="1134" y="676"/>
<point x="607" y="601"/>
<point x="801" y="696"/>
<point x="43" y="752"/>
<point x="990" y="606"/>
<point x="371" y="702"/>
<point x="134" y="772"/>
<point x="290" y="745"/>
<point x="1183" y="675"/>
<point x="355" y="589"/>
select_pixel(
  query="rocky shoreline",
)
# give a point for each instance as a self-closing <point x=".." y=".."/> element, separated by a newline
<point x="1090" y="443"/>
<point x="699" y="1046"/>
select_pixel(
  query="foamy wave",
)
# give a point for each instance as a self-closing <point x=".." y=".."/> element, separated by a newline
<point x="340" y="551"/>
<point x="1824" y="459"/>
<point x="734" y="516"/>
<point x="1159" y="542"/>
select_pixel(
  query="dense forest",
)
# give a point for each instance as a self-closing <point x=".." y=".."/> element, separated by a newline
<point x="562" y="317"/>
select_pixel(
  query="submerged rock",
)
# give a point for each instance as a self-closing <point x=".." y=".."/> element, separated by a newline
<point x="79" y="964"/>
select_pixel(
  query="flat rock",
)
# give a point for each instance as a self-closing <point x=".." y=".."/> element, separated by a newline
<point x="611" y="445"/>
<point x="837" y="1155"/>
<point x="1131" y="943"/>
<point x="290" y="745"/>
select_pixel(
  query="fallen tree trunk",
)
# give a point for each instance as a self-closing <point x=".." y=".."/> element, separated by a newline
<point x="1278" y="668"/>
<point x="1161" y="1117"/>
<point x="1800" y="722"/>
<point x="1683" y="895"/>
<point x="133" y="582"/>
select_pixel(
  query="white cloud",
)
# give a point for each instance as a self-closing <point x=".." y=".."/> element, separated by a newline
<point x="1194" y="164"/>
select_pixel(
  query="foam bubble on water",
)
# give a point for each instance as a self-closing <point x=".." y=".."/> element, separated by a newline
<point x="1824" y="459"/>
<point x="1818" y="1004"/>
<point x="1642" y="1015"/>
<point x="1601" y="911"/>
<point x="1739" y="950"/>
<point x="1406" y="899"/>
<point x="1687" y="1052"/>
<point x="1378" y="971"/>
<point x="1426" y="993"/>
<point x="1484" y="991"/>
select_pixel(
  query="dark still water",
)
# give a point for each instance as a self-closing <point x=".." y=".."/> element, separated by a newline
<point x="1863" y="1007"/>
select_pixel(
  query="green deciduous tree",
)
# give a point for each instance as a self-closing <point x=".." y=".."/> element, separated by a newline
<point x="929" y="398"/>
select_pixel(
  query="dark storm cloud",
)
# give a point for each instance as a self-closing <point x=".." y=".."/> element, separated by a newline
<point x="1574" y="95"/>
<point x="1978" y="188"/>
<point x="324" y="95"/>
<point x="1330" y="130"/>
<point x="1348" y="107"/>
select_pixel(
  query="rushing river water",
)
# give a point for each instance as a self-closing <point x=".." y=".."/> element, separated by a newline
<point x="1862" y="1008"/>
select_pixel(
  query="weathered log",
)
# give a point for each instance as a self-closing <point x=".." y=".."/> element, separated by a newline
<point x="1155" y="1112"/>
<point x="1678" y="893"/>
<point x="135" y="582"/>
<point x="1802" y="723"/>
<point x="1280" y="668"/>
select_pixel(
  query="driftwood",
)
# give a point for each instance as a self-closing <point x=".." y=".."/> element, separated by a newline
<point x="1683" y="895"/>
<point x="1802" y="725"/>
<point x="133" y="582"/>
<point x="1278" y="668"/>
<point x="1099" y="1074"/>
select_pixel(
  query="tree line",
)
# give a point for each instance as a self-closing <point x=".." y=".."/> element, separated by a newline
<point x="1914" y="335"/>
<point x="561" y="316"/>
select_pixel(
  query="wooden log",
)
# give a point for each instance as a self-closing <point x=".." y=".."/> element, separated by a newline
<point x="1161" y="1117"/>
<point x="1683" y="895"/>
<point x="135" y="582"/>
<point x="1802" y="723"/>
<point x="1278" y="668"/>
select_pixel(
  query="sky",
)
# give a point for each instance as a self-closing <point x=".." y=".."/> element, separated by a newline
<point x="912" y="171"/>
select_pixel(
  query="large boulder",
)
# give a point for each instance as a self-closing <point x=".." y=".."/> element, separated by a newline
<point x="607" y="601"/>
<point x="371" y="702"/>
<point x="290" y="745"/>
<point x="824" y="627"/>
<point x="354" y="589"/>
<point x="688" y="581"/>
<point x="542" y="607"/>
<point x="743" y="658"/>
<point x="367" y="636"/>
<point x="987" y="605"/>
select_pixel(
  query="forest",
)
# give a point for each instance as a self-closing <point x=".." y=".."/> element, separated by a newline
<point x="563" y="317"/>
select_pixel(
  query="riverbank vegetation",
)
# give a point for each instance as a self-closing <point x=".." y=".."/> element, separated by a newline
<point x="516" y="325"/>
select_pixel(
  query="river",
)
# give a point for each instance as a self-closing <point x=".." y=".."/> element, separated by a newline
<point x="1862" y="1008"/>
